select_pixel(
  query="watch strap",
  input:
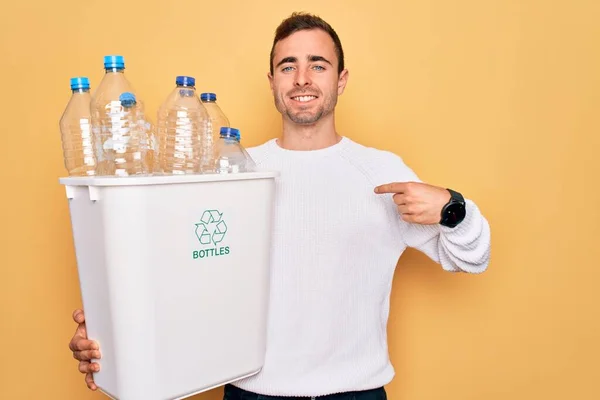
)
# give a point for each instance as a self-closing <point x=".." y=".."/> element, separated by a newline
<point x="455" y="196"/>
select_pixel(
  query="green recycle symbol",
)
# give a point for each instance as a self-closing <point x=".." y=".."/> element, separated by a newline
<point x="211" y="228"/>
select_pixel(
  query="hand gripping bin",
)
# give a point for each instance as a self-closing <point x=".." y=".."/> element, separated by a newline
<point x="174" y="278"/>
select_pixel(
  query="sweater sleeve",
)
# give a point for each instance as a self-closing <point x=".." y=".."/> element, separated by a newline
<point x="465" y="248"/>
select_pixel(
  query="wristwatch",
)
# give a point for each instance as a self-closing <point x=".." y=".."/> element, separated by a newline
<point x="454" y="212"/>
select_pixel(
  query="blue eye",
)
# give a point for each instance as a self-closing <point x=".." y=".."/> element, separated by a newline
<point x="287" y="69"/>
<point x="319" y="68"/>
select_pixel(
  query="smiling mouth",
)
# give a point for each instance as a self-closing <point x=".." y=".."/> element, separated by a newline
<point x="303" y="99"/>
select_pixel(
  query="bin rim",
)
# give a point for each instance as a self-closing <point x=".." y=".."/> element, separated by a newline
<point x="139" y="180"/>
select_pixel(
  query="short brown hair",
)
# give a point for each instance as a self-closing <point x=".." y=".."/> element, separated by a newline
<point x="299" y="21"/>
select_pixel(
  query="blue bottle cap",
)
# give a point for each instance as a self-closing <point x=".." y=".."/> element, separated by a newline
<point x="127" y="99"/>
<point x="114" y="61"/>
<point x="227" y="132"/>
<point x="185" y="81"/>
<point x="80" y="82"/>
<point x="208" y="97"/>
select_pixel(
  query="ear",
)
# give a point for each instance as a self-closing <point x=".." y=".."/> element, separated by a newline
<point x="270" y="80"/>
<point x="342" y="81"/>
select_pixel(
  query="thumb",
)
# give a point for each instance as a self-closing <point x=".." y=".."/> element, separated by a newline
<point x="79" y="316"/>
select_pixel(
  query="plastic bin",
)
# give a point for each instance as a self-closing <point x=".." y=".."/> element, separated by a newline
<point x="174" y="277"/>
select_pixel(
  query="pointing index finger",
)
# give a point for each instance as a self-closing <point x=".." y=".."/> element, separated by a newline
<point x="394" y="187"/>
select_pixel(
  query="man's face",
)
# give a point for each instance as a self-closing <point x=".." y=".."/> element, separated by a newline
<point x="305" y="82"/>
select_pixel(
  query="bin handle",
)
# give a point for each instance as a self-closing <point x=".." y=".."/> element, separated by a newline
<point x="70" y="190"/>
<point x="93" y="192"/>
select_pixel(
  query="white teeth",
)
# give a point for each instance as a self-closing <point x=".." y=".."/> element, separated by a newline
<point x="304" y="98"/>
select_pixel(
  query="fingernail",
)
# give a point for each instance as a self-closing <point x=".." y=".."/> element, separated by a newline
<point x="96" y="354"/>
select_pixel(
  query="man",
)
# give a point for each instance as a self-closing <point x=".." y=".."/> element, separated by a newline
<point x="344" y="214"/>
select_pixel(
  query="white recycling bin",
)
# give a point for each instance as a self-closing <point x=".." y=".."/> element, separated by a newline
<point x="174" y="277"/>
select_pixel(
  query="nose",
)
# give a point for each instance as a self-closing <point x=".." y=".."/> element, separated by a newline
<point x="302" y="78"/>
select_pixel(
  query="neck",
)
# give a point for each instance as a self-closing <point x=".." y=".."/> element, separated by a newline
<point x="315" y="136"/>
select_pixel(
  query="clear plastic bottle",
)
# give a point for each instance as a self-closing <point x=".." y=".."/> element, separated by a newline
<point x="250" y="164"/>
<point x="182" y="127"/>
<point x="230" y="153"/>
<point x="112" y="124"/>
<point x="130" y="148"/>
<point x="217" y="120"/>
<point x="76" y="130"/>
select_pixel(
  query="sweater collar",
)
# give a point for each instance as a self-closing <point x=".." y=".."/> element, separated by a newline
<point x="335" y="148"/>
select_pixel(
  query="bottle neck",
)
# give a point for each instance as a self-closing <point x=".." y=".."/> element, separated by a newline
<point x="80" y="90"/>
<point x="186" y="87"/>
<point x="114" y="69"/>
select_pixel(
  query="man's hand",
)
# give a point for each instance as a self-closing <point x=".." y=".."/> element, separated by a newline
<point x="418" y="203"/>
<point x="84" y="350"/>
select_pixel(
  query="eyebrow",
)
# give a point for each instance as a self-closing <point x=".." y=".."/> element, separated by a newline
<point x="309" y="57"/>
<point x="287" y="60"/>
<point x="318" y="58"/>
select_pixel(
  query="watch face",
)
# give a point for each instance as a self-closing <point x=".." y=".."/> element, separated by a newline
<point x="454" y="214"/>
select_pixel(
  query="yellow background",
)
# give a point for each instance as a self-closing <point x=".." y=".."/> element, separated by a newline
<point x="499" y="99"/>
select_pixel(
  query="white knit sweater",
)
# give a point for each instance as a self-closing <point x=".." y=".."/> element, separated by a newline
<point x="335" y="247"/>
